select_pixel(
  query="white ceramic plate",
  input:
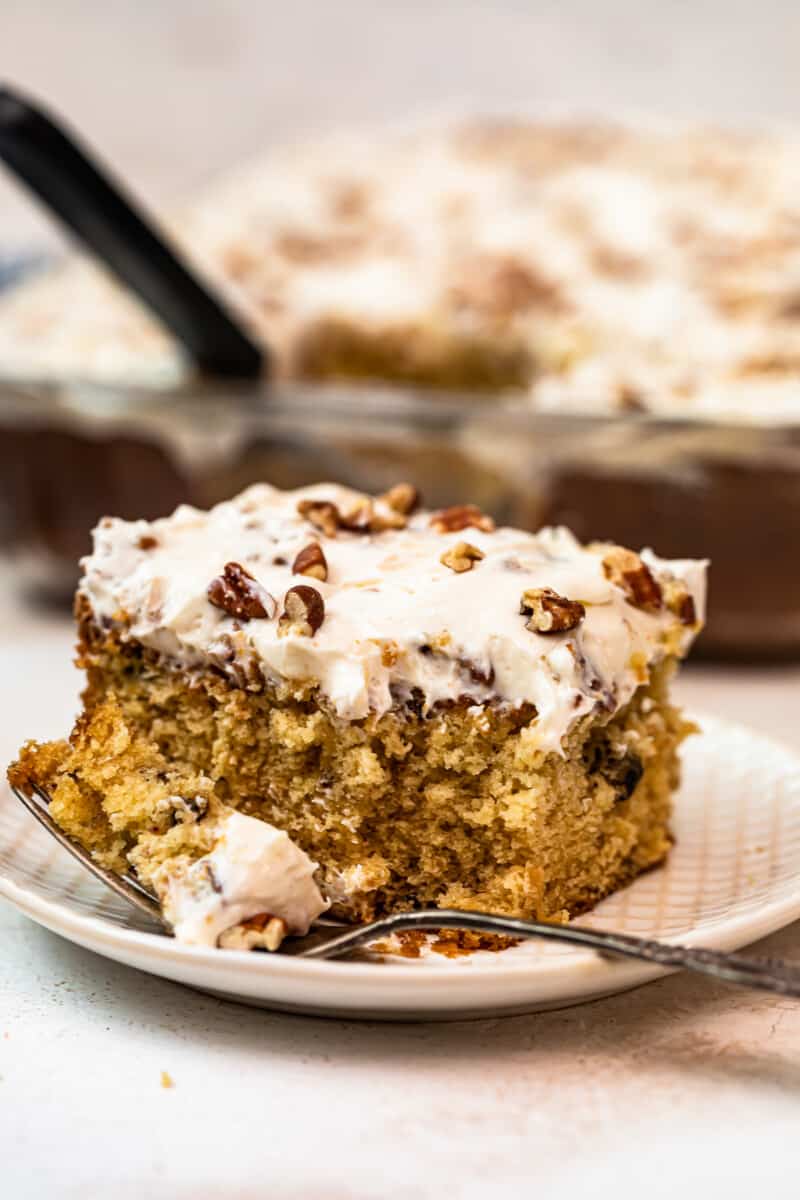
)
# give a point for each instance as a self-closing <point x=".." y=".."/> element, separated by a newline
<point x="732" y="877"/>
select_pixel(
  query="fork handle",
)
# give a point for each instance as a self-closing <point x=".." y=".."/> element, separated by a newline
<point x="765" y="974"/>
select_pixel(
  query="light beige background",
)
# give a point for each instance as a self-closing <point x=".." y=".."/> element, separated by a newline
<point x="171" y="91"/>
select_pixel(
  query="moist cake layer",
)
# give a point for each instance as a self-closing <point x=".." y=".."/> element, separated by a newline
<point x="458" y="809"/>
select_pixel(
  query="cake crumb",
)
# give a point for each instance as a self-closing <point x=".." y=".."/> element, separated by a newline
<point x="452" y="943"/>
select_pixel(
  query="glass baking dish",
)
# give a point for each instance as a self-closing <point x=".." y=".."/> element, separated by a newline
<point x="72" y="452"/>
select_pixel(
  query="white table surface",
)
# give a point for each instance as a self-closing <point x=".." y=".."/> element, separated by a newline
<point x="679" y="1082"/>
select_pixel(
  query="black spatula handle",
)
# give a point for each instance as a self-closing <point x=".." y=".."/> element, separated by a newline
<point x="55" y="167"/>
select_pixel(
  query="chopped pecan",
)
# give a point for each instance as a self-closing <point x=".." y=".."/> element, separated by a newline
<point x="261" y="932"/>
<point x="308" y="249"/>
<point x="624" y="774"/>
<point x="630" y="398"/>
<point x="236" y="592"/>
<point x="388" y="518"/>
<point x="147" y="542"/>
<point x="548" y="612"/>
<point x="461" y="516"/>
<point x="627" y="571"/>
<point x="461" y="557"/>
<point x="365" y="517"/>
<point x="680" y="602"/>
<point x="303" y="611"/>
<point x="357" y="519"/>
<point x="622" y="769"/>
<point x="349" y="200"/>
<point x="323" y="515"/>
<point x="686" y="611"/>
<point x="477" y="673"/>
<point x="501" y="286"/>
<point x="311" y="561"/>
<point x="327" y="517"/>
<point x="390" y="652"/>
<point x="403" y="498"/>
<point x="618" y="264"/>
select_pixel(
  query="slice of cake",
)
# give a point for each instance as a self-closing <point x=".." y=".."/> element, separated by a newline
<point x="324" y="690"/>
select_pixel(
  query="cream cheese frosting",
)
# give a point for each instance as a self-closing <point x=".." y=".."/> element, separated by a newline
<point x="400" y="626"/>
<point x="252" y="870"/>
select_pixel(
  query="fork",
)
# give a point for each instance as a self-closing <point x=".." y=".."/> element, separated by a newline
<point x="331" y="939"/>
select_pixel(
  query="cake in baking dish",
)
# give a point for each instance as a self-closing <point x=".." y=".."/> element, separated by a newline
<point x="319" y="698"/>
<point x="590" y="264"/>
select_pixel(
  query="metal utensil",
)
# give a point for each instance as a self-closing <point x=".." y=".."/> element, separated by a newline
<point x="124" y="885"/>
<point x="81" y="194"/>
<point x="332" y="939"/>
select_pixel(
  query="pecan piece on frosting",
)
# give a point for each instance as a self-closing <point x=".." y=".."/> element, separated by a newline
<point x="500" y="286"/>
<point x="236" y="592"/>
<point x="323" y="515"/>
<point x="365" y="517"/>
<point x="461" y="557"/>
<point x="548" y="612"/>
<point x="386" y="518"/>
<point x="627" y="571"/>
<point x="311" y="561"/>
<point x="362" y="517"/>
<point x="303" y="611"/>
<point x="461" y="516"/>
<point x="357" y="517"/>
<point x="680" y="602"/>
<point x="403" y="498"/>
